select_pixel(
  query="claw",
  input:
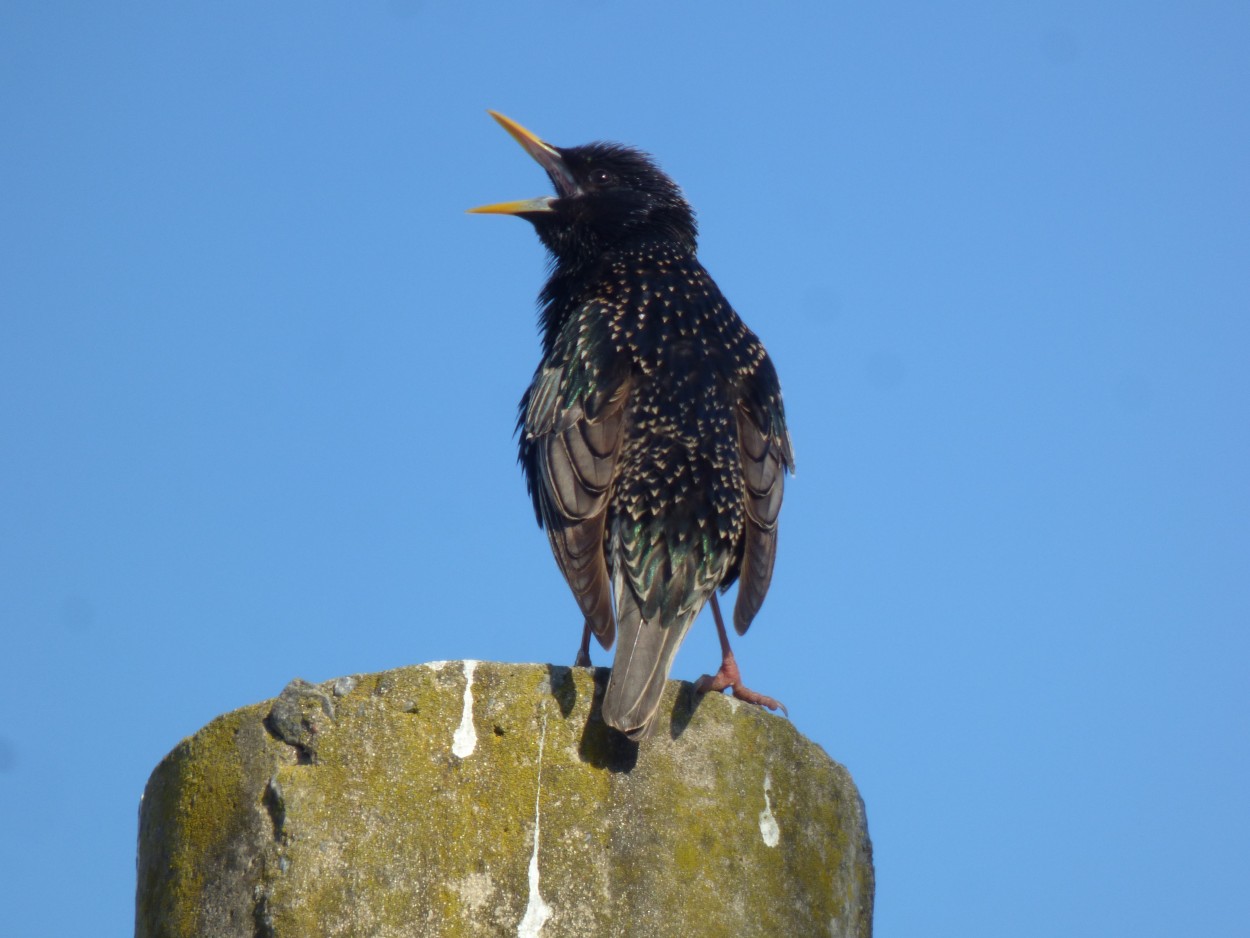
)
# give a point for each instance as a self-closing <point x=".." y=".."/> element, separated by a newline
<point x="728" y="675"/>
<point x="583" y="652"/>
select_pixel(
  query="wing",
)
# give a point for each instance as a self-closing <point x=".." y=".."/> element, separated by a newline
<point x="764" y="449"/>
<point x="572" y="458"/>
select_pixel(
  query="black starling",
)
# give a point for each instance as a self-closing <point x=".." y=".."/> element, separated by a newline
<point x="653" y="436"/>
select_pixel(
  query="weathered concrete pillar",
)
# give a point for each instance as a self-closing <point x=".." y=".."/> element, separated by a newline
<point x="477" y="799"/>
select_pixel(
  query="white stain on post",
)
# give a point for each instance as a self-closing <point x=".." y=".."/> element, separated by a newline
<point x="768" y="824"/>
<point x="536" y="911"/>
<point x="465" y="739"/>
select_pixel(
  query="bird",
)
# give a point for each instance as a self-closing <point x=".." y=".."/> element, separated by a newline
<point x="653" y="436"/>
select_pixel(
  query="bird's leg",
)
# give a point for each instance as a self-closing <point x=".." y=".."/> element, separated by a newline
<point x="583" y="652"/>
<point x="728" y="675"/>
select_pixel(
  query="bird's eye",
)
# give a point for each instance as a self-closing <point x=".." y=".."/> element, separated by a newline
<point x="601" y="177"/>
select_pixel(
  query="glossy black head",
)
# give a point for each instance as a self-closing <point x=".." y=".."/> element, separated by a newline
<point x="608" y="196"/>
<point x="621" y="197"/>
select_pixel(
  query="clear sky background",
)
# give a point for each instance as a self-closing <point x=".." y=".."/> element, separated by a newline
<point x="258" y="376"/>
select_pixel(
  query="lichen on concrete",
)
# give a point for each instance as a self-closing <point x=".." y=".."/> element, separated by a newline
<point x="343" y="809"/>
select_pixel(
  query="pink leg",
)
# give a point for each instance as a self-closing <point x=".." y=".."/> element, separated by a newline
<point x="583" y="653"/>
<point x="728" y="675"/>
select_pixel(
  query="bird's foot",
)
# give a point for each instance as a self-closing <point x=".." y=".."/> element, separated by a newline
<point x="728" y="676"/>
<point x="583" y="650"/>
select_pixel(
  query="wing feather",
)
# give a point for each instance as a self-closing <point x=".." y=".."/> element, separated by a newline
<point x="765" y="456"/>
<point x="577" y="460"/>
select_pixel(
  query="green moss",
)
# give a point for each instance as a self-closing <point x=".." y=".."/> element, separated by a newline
<point x="384" y="831"/>
<point x="199" y="806"/>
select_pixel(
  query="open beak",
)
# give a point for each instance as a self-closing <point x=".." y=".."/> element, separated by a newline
<point x="548" y="157"/>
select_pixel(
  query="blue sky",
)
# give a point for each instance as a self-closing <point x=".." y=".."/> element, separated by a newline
<point x="258" y="373"/>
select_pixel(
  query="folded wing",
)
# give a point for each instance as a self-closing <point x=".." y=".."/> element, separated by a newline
<point x="576" y="456"/>
<point x="765" y="455"/>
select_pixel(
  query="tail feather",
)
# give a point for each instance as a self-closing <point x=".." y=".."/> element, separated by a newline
<point x="644" y="656"/>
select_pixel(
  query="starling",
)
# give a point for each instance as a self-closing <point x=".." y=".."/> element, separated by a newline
<point x="653" y="436"/>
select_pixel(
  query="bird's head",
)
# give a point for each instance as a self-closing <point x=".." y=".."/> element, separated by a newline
<point x="607" y="196"/>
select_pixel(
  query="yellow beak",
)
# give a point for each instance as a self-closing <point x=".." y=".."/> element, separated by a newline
<point x="548" y="157"/>
<point x="520" y="207"/>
